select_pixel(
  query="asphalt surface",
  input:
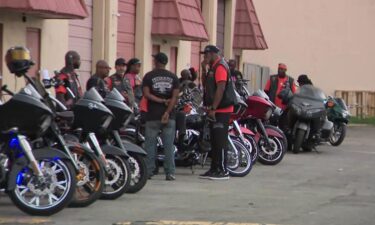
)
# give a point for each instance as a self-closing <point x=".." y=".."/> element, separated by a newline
<point x="333" y="187"/>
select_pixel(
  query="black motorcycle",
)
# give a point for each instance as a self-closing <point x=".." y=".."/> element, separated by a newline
<point x="308" y="122"/>
<point x="40" y="181"/>
<point x="122" y="115"/>
<point x="338" y="113"/>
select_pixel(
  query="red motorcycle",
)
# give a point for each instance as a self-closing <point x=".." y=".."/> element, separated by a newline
<point x="271" y="141"/>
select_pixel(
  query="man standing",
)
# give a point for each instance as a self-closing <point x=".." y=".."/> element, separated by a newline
<point x="219" y="101"/>
<point x="277" y="83"/>
<point x="236" y="75"/>
<point x="69" y="91"/>
<point x="97" y="80"/>
<point x="118" y="81"/>
<point x="161" y="89"/>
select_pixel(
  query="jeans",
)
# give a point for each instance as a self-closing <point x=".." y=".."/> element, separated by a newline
<point x="167" y="133"/>
<point x="219" y="142"/>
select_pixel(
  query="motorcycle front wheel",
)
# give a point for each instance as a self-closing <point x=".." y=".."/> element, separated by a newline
<point x="139" y="173"/>
<point x="118" y="176"/>
<point x="239" y="162"/>
<point x="46" y="195"/>
<point x="272" y="154"/>
<point x="338" y="134"/>
<point x="90" y="180"/>
<point x="298" y="140"/>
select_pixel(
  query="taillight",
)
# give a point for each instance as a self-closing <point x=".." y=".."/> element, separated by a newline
<point x="187" y="108"/>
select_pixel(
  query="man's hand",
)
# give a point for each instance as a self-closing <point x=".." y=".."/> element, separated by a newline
<point x="167" y="101"/>
<point x="211" y="114"/>
<point x="165" y="118"/>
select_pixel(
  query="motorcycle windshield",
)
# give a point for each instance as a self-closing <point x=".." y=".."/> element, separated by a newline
<point x="261" y="93"/>
<point x="342" y="103"/>
<point x="115" y="95"/>
<point x="31" y="91"/>
<point x="93" y="95"/>
<point x="310" y="92"/>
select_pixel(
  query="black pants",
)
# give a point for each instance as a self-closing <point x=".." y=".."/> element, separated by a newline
<point x="219" y="141"/>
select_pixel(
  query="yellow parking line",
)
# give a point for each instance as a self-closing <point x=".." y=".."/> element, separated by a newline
<point x="23" y="220"/>
<point x="172" y="222"/>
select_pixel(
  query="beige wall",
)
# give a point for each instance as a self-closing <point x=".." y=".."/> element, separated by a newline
<point x="54" y="42"/>
<point x="332" y="41"/>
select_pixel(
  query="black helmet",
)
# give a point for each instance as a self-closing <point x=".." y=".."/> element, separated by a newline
<point x="18" y="60"/>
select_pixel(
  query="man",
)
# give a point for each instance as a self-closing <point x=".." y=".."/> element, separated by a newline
<point x="185" y="79"/>
<point x="220" y="106"/>
<point x="118" y="81"/>
<point x="132" y="74"/>
<point x="161" y="89"/>
<point x="98" y="79"/>
<point x="277" y="83"/>
<point x="69" y="90"/>
<point x="236" y="75"/>
<point x="303" y="79"/>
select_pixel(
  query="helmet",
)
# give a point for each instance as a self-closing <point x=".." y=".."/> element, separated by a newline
<point x="18" y="60"/>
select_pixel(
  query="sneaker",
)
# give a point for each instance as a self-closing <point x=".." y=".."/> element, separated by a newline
<point x="206" y="175"/>
<point x="220" y="175"/>
<point x="170" y="177"/>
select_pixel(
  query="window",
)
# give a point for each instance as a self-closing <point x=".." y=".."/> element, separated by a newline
<point x="173" y="60"/>
<point x="33" y="44"/>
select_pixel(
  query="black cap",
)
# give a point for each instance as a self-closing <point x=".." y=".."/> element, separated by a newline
<point x="210" y="48"/>
<point x="120" y="62"/>
<point x="133" y="61"/>
<point x="303" y="78"/>
<point x="161" y="58"/>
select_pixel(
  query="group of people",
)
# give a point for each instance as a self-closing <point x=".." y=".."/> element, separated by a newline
<point x="158" y="92"/>
<point x="157" y="95"/>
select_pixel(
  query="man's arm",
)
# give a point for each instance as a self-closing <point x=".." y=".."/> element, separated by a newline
<point x="220" y="88"/>
<point x="173" y="101"/>
<point x="151" y="97"/>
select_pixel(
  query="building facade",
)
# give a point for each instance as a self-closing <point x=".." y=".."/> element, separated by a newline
<point x="129" y="28"/>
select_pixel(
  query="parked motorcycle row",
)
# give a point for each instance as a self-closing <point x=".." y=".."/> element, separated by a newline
<point x="51" y="157"/>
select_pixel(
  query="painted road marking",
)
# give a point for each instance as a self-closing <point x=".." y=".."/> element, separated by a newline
<point x="23" y="220"/>
<point x="170" y="222"/>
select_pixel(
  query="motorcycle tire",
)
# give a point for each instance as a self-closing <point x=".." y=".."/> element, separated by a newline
<point x="285" y="139"/>
<point x="341" y="138"/>
<point x="300" y="135"/>
<point x="273" y="157"/>
<point x="118" y="181"/>
<point x="255" y="149"/>
<point x="237" y="158"/>
<point x="90" y="187"/>
<point x="139" y="175"/>
<point x="62" y="190"/>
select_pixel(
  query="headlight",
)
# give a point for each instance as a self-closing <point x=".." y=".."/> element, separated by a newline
<point x="107" y="122"/>
<point x="268" y="114"/>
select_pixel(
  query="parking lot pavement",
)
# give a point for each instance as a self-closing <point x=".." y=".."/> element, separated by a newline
<point x="335" y="187"/>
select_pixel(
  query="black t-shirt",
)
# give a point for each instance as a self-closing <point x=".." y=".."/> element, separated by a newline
<point x="161" y="83"/>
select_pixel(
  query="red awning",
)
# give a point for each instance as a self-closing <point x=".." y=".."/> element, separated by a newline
<point x="181" y="19"/>
<point x="48" y="9"/>
<point x="247" y="31"/>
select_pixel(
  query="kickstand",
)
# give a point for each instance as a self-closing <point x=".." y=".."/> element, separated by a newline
<point x="316" y="150"/>
<point x="192" y="169"/>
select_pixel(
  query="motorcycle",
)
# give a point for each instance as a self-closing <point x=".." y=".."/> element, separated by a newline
<point x="40" y="181"/>
<point x="122" y="114"/>
<point x="93" y="118"/>
<point x="271" y="141"/>
<point x="338" y="113"/>
<point x="307" y="118"/>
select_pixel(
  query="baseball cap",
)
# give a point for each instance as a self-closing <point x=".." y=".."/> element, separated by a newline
<point x="282" y="66"/>
<point x="120" y="62"/>
<point x="134" y="61"/>
<point x="210" y="48"/>
<point x="161" y="58"/>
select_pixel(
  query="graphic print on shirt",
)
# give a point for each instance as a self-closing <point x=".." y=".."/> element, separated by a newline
<point x="162" y="85"/>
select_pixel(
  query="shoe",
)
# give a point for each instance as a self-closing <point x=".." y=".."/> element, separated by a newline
<point x="170" y="177"/>
<point x="206" y="175"/>
<point x="220" y="175"/>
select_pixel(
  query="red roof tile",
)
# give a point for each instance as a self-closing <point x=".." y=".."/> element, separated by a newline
<point x="247" y="31"/>
<point x="54" y="9"/>
<point x="178" y="18"/>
